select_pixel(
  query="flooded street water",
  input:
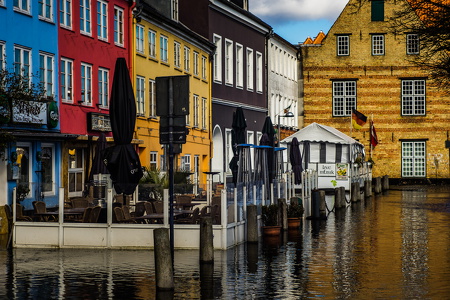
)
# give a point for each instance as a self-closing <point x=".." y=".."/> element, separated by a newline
<point x="392" y="246"/>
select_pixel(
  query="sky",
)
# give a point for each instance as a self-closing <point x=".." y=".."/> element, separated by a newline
<point x="295" y="20"/>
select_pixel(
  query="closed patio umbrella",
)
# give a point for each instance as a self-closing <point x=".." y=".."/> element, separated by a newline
<point x="121" y="159"/>
<point x="269" y="141"/>
<point x="237" y="138"/>
<point x="295" y="158"/>
<point x="98" y="166"/>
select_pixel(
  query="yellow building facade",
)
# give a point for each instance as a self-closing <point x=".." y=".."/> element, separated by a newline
<point x="363" y="63"/>
<point x="164" y="47"/>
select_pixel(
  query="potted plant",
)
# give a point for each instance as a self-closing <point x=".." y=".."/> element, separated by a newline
<point x="269" y="217"/>
<point x="22" y="191"/>
<point x="294" y="214"/>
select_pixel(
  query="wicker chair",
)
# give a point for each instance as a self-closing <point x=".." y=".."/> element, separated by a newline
<point x="95" y="213"/>
<point x="79" y="202"/>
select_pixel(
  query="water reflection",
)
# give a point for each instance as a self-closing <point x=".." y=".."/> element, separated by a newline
<point x="390" y="246"/>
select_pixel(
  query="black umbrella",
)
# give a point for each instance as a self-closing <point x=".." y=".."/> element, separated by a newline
<point x="270" y="141"/>
<point x="237" y="137"/>
<point x="296" y="161"/>
<point x="98" y="166"/>
<point x="122" y="160"/>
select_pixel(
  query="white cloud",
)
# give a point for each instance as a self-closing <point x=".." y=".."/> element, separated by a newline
<point x="280" y="11"/>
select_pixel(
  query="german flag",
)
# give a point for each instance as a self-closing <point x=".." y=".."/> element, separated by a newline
<point x="358" y="119"/>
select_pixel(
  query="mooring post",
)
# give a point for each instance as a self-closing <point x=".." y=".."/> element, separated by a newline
<point x="206" y="240"/>
<point x="385" y="183"/>
<point x="367" y="188"/>
<point x="355" y="192"/>
<point x="377" y="186"/>
<point x="163" y="259"/>
<point x="282" y="206"/>
<point x="252" y="224"/>
<point x="338" y="197"/>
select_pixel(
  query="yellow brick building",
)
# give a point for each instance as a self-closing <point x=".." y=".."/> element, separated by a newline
<point x="363" y="63"/>
<point x="164" y="47"/>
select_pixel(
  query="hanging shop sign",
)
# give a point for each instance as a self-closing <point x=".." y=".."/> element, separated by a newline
<point x="53" y="115"/>
<point x="30" y="112"/>
<point x="99" y="122"/>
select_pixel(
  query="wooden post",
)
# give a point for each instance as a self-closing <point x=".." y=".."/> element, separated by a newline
<point x="252" y="224"/>
<point x="163" y="259"/>
<point x="282" y="213"/>
<point x="385" y="183"/>
<point x="206" y="240"/>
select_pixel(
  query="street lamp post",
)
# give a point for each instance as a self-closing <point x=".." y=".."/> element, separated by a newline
<point x="289" y="114"/>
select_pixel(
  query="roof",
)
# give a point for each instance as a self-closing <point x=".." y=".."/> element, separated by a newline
<point x="321" y="133"/>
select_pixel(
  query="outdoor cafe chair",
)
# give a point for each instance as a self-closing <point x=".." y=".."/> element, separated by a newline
<point x="79" y="202"/>
<point x="184" y="201"/>
<point x="40" y="211"/>
<point x="20" y="215"/>
<point x="127" y="214"/>
<point x="95" y="213"/>
<point x="149" y="208"/>
<point x="193" y="219"/>
<point x="158" y="207"/>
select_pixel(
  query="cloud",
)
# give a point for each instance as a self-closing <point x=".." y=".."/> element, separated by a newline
<point x="281" y="11"/>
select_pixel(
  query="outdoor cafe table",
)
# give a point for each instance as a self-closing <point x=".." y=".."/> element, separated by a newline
<point x="156" y="217"/>
<point x="45" y="216"/>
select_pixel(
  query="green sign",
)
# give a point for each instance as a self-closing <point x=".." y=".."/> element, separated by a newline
<point x="53" y="115"/>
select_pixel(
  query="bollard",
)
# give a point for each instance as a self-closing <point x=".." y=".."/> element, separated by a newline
<point x="315" y="205"/>
<point x="367" y="188"/>
<point x="163" y="259"/>
<point x="355" y="192"/>
<point x="322" y="205"/>
<point x="206" y="240"/>
<point x="344" y="200"/>
<point x="282" y="213"/>
<point x="385" y="183"/>
<point x="337" y="198"/>
<point x="252" y="224"/>
<point x="377" y="185"/>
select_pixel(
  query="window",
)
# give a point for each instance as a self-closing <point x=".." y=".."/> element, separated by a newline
<point x="2" y="56"/>
<point x="102" y="20"/>
<point x="140" y="95"/>
<point x="217" y="68"/>
<point x="204" y="69"/>
<point x="228" y="149"/>
<point x="249" y="69"/>
<point x="22" y="6"/>
<point x="259" y="70"/>
<point x="163" y="48"/>
<point x="412" y="44"/>
<point x="45" y="9"/>
<point x="228" y="62"/>
<point x="24" y="160"/>
<point x="377" y="44"/>
<point x="46" y="73"/>
<point x="196" y="100"/>
<point x="344" y="98"/>
<point x="76" y="171"/>
<point x="239" y="65"/>
<point x="413" y="159"/>
<point x="152" y="43"/>
<point x="204" y="113"/>
<point x="153" y="160"/>
<point x="66" y="79"/>
<point x="86" y="84"/>
<point x="118" y="26"/>
<point x="65" y="13"/>
<point x="85" y="16"/>
<point x="140" y="39"/>
<point x="413" y="97"/>
<point x="343" y="45"/>
<point x="175" y="10"/>
<point x="187" y="54"/>
<point x="48" y="168"/>
<point x="377" y="12"/>
<point x="22" y="61"/>
<point x="152" y="97"/>
<point x="176" y="54"/>
<point x="195" y="63"/>
<point x="103" y="87"/>
<point x="162" y="163"/>
<point x="186" y="162"/>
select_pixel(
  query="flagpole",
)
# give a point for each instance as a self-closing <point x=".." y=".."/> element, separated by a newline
<point x="370" y="136"/>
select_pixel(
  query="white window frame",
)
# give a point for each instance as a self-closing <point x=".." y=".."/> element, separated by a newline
<point x="217" y="68"/>
<point x="46" y="9"/>
<point x="2" y="55"/>
<point x="177" y="54"/>
<point x="239" y="66"/>
<point x="195" y="63"/>
<point x="412" y="44"/>
<point x="187" y="58"/>
<point x="195" y="114"/>
<point x="75" y="171"/>
<point x="413" y="97"/>
<point x="140" y="96"/>
<point x="85" y="17"/>
<point x="153" y="160"/>
<point x="47" y="72"/>
<point x="66" y="80"/>
<point x="204" y="68"/>
<point x="414" y="159"/>
<point x="204" y="112"/>
<point x="228" y="150"/>
<point x="22" y="61"/>
<point x="102" y="20"/>
<point x="86" y="84"/>
<point x="259" y="72"/>
<point x="51" y="191"/>
<point x="343" y="45"/>
<point x="23" y="6"/>
<point x="185" y="162"/>
<point x="249" y="68"/>
<point x="118" y="26"/>
<point x="229" y="62"/>
<point x="152" y="43"/>
<point x="29" y="166"/>
<point x="103" y="87"/>
<point x="65" y="14"/>
<point x="140" y="48"/>
<point x="152" y="97"/>
<point x="163" y="48"/>
<point x="174" y="4"/>
<point x="344" y="97"/>
<point x="378" y="44"/>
